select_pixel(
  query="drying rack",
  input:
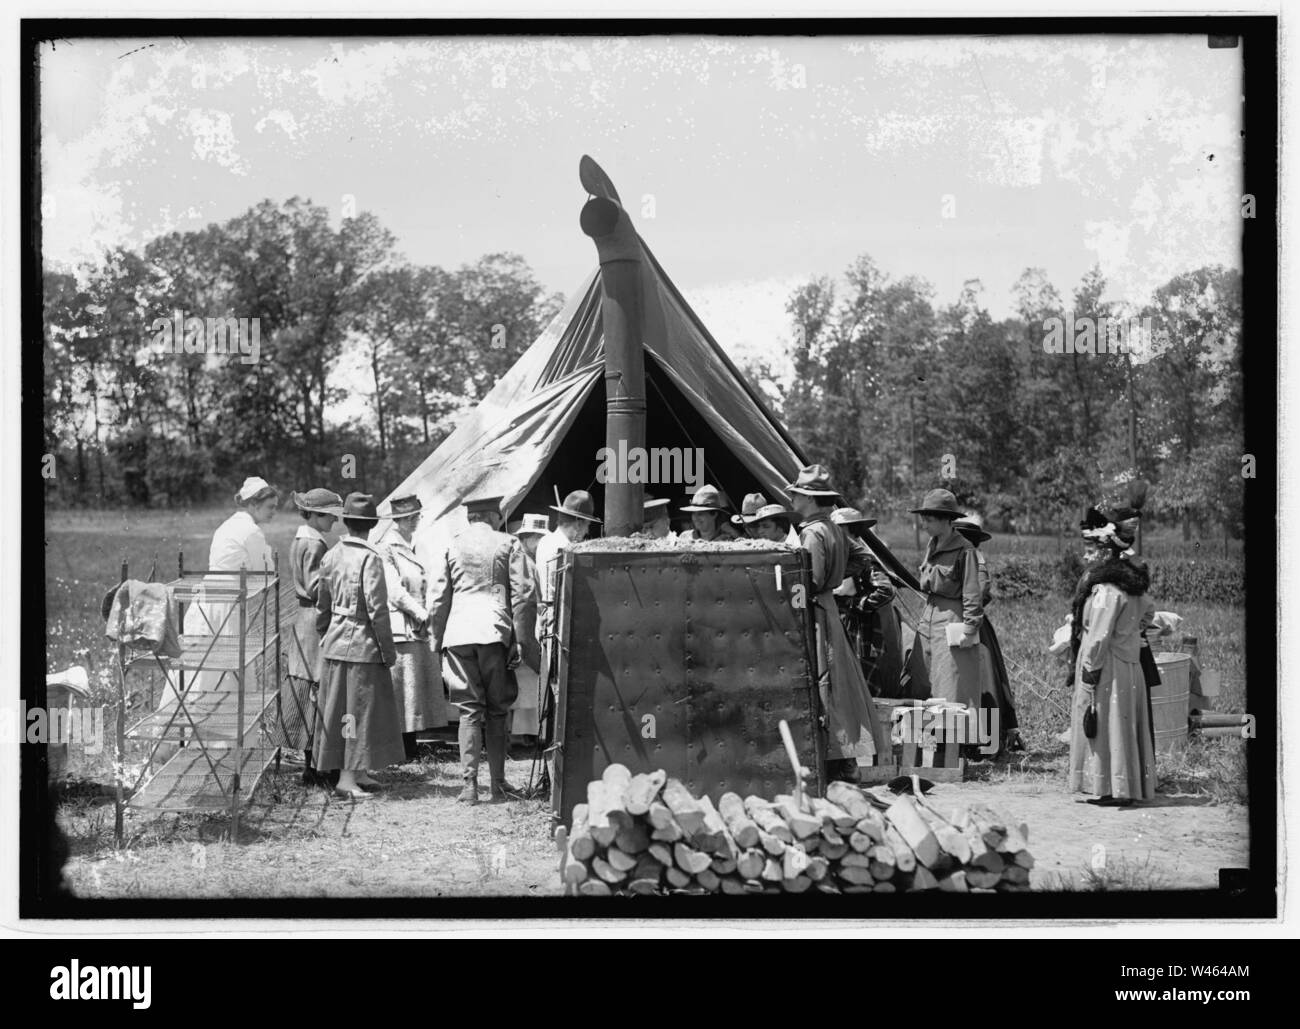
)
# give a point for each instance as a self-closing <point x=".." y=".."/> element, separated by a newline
<point x="205" y="749"/>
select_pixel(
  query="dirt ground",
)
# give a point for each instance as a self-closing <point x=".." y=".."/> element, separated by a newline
<point x="415" y="840"/>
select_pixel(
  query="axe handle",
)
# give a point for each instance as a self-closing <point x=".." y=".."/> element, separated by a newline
<point x="793" y="755"/>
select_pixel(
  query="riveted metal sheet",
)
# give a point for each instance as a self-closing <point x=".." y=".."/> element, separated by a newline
<point x="687" y="661"/>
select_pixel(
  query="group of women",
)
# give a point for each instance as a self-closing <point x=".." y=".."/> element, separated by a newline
<point x="1112" y="744"/>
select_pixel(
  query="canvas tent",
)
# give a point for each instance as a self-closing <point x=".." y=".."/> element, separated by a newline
<point x="541" y="426"/>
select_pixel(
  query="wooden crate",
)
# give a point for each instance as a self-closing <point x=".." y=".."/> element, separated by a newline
<point x="883" y="765"/>
<point x="939" y="763"/>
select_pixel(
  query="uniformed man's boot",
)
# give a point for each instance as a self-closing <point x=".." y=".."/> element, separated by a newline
<point x="843" y="770"/>
<point x="471" y="742"/>
<point x="497" y="744"/>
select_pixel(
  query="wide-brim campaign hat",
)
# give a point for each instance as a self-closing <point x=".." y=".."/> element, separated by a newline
<point x="939" y="502"/>
<point x="534" y="525"/>
<point x="707" y="498"/>
<point x="318" y="501"/>
<point x="651" y="505"/>
<point x="773" y="511"/>
<point x="400" y="507"/>
<point x="360" y="507"/>
<point x="751" y="503"/>
<point x="971" y="529"/>
<point x="254" y="489"/>
<point x="578" y="504"/>
<point x="813" y="481"/>
<point x="851" y="516"/>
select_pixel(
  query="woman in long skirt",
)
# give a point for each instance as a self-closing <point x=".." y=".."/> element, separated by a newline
<point x="358" y="726"/>
<point x="295" y="713"/>
<point x="948" y="629"/>
<point x="417" y="675"/>
<point x="1111" y="752"/>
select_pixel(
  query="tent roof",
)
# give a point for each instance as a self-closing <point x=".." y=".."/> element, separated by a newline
<point x="505" y="444"/>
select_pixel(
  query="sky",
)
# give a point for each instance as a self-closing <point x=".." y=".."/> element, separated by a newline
<point x="749" y="164"/>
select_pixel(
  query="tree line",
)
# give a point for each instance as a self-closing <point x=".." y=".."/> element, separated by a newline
<point x="129" y="419"/>
<point x="895" y="392"/>
<point x="1025" y="418"/>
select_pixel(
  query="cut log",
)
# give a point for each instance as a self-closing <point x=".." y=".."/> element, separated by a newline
<point x="1015" y="875"/>
<point x="647" y="868"/>
<point x="708" y="878"/>
<point x="830" y="835"/>
<point x="923" y="879"/>
<point x="594" y="888"/>
<point x="1014" y="842"/>
<point x="581" y="845"/>
<point x="750" y="863"/>
<point x="619" y="860"/>
<point x="798" y="884"/>
<point x="881" y="862"/>
<point x="818" y="868"/>
<point x="955" y="883"/>
<point x="794" y="862"/>
<point x="855" y="860"/>
<point x="771" y="844"/>
<point x="688" y="859"/>
<point x="884" y="888"/>
<point x="598" y="822"/>
<point x="904" y="817"/>
<point x="712" y="835"/>
<point x="802" y="823"/>
<point x="989" y="861"/>
<point x="768" y="819"/>
<point x="812" y="845"/>
<point x="616" y="775"/>
<point x="723" y="865"/>
<point x="659" y="815"/>
<point x="872" y="824"/>
<point x="850" y="798"/>
<point x="643" y="791"/>
<point x="980" y="879"/>
<point x="1024" y="859"/>
<point x="662" y="853"/>
<point x="854" y="888"/>
<point x="976" y="841"/>
<point x="606" y="871"/>
<point x="743" y="829"/>
<point x="827" y="885"/>
<point x="732" y="886"/>
<point x="574" y="872"/>
<point x="833" y="851"/>
<point x="953" y="843"/>
<point x="832" y="815"/>
<point x="903" y="854"/>
<point x="643" y="887"/>
<point x="860" y="842"/>
<point x="632" y="839"/>
<point x="991" y="828"/>
<point x="669" y="834"/>
<point x="771" y="871"/>
<point x="685" y="808"/>
<point x="616" y="778"/>
<point x="677" y="878"/>
<point x="855" y="876"/>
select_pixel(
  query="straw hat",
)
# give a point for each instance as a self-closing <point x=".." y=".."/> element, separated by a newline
<point x="318" y="501"/>
<point x="851" y="516"/>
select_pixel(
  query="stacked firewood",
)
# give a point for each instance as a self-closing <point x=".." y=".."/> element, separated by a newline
<point x="647" y="834"/>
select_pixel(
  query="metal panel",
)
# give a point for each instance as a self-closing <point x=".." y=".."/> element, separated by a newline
<point x="687" y="661"/>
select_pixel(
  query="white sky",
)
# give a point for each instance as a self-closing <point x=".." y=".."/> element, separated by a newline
<point x="768" y="160"/>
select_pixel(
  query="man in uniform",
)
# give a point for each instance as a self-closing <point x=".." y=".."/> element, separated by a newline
<point x="475" y="586"/>
<point x="850" y="715"/>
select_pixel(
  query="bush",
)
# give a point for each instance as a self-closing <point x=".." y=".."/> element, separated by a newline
<point x="1207" y="580"/>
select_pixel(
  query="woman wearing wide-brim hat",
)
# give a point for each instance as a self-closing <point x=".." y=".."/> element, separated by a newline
<point x="866" y="603"/>
<point x="949" y="625"/>
<point x="358" y="727"/>
<point x="710" y="518"/>
<point x="1112" y="752"/>
<point x="995" y="684"/>
<point x="417" y="674"/>
<point x="296" y="703"/>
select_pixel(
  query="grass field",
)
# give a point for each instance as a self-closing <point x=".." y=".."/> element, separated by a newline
<point x="83" y="554"/>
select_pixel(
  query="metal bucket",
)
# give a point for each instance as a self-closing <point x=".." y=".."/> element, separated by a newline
<point x="1169" y="701"/>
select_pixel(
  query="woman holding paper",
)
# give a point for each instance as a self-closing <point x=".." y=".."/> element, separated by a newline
<point x="949" y="627"/>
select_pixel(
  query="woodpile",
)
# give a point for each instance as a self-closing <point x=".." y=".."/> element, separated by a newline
<point x="647" y="834"/>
